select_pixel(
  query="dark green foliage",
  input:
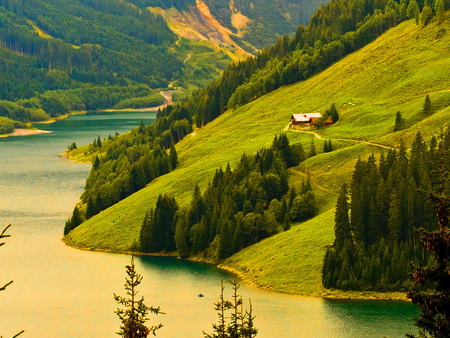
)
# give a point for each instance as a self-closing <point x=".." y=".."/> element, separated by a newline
<point x="173" y="157"/>
<point x="413" y="11"/>
<point x="333" y="112"/>
<point x="400" y="122"/>
<point x="158" y="227"/>
<point x="427" y="106"/>
<point x="439" y="7"/>
<point x="134" y="316"/>
<point x="312" y="149"/>
<point x="72" y="146"/>
<point x="434" y="299"/>
<point x="327" y="146"/>
<point x="427" y="14"/>
<point x="386" y="209"/>
<point x="238" y="324"/>
<point x="240" y="207"/>
<point x="3" y="288"/>
<point x="74" y="221"/>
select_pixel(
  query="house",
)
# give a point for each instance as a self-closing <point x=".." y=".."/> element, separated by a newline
<point x="328" y="122"/>
<point x="303" y="119"/>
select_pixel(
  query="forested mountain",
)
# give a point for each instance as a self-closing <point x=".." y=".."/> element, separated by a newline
<point x="59" y="54"/>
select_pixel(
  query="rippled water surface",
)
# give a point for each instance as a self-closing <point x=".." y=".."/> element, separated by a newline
<point x="61" y="292"/>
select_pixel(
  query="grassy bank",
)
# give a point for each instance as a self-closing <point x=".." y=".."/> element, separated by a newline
<point x="392" y="74"/>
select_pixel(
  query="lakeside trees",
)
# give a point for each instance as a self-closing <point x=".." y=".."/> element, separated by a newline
<point x="431" y="289"/>
<point x="376" y="232"/>
<point x="239" y="323"/>
<point x="240" y="207"/>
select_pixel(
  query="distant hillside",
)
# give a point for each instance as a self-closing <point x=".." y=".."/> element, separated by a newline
<point x="392" y="74"/>
<point x="56" y="55"/>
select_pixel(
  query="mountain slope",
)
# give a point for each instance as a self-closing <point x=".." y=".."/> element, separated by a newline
<point x="393" y="73"/>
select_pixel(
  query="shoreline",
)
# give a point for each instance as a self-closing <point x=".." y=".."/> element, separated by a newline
<point x="26" y="132"/>
<point x="250" y="282"/>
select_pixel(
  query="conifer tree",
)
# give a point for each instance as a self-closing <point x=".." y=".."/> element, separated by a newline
<point x="427" y="14"/>
<point x="413" y="11"/>
<point x="434" y="304"/>
<point x="342" y="228"/>
<point x="240" y="323"/>
<point x="173" y="157"/>
<point x="333" y="112"/>
<point x="439" y="7"/>
<point x="312" y="149"/>
<point x="400" y="122"/>
<point x="134" y="315"/>
<point x="427" y="106"/>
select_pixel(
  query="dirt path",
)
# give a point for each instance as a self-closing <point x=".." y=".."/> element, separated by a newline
<point x="339" y="139"/>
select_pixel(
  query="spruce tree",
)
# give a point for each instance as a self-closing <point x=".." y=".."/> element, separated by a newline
<point x="427" y="14"/>
<point x="413" y="11"/>
<point x="427" y="106"/>
<point x="173" y="157"/>
<point x="439" y="7"/>
<point x="134" y="316"/>
<point x="434" y="303"/>
<point x="342" y="228"/>
<point x="312" y="149"/>
<point x="333" y="112"/>
<point x="400" y="122"/>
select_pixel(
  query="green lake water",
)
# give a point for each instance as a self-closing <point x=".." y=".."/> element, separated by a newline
<point x="61" y="292"/>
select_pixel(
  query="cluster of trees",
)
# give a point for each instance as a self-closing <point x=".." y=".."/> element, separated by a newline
<point x="54" y="103"/>
<point x="233" y="322"/>
<point x="129" y="162"/>
<point x="375" y="232"/>
<point x="239" y="207"/>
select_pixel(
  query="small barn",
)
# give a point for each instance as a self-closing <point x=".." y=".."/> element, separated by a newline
<point x="329" y="121"/>
<point x="302" y="119"/>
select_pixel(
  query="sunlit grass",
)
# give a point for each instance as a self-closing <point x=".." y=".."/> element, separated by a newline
<point x="392" y="74"/>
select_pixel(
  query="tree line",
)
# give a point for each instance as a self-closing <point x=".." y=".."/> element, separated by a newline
<point x="376" y="231"/>
<point x="239" y="207"/>
<point x="128" y="163"/>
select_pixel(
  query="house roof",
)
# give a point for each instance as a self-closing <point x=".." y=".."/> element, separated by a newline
<point x="305" y="117"/>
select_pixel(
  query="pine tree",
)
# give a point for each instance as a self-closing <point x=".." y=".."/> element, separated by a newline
<point x="240" y="323"/>
<point x="173" y="157"/>
<point x="400" y="122"/>
<point x="439" y="7"/>
<point x="342" y="228"/>
<point x="427" y="14"/>
<point x="413" y="11"/>
<point x="333" y="112"/>
<point x="312" y="149"/>
<point x="434" y="304"/>
<point x="134" y="315"/>
<point x="427" y="106"/>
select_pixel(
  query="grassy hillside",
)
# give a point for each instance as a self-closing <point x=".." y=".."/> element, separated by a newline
<point x="392" y="74"/>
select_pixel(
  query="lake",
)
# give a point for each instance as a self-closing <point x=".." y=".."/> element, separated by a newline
<point x="61" y="292"/>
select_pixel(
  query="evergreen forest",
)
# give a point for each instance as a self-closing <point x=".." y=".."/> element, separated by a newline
<point x="378" y="217"/>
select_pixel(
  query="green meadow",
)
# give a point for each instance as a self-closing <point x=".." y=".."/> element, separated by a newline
<point x="392" y="74"/>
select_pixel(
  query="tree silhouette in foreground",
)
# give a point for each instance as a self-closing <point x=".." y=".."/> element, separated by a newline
<point x="134" y="315"/>
<point x="434" y="299"/>
<point x="3" y="288"/>
<point x="239" y="323"/>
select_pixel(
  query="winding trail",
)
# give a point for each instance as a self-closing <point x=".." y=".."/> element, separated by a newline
<point x="318" y="136"/>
